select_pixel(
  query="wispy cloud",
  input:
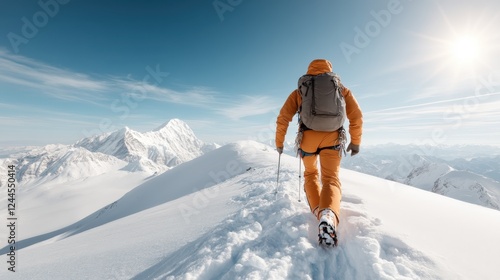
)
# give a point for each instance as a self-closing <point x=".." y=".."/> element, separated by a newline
<point x="432" y="92"/>
<point x="102" y="91"/>
<point x="27" y="72"/>
<point x="8" y="106"/>
<point x="249" y="106"/>
<point x="427" y="104"/>
<point x="195" y="96"/>
<point x="450" y="114"/>
<point x="114" y="93"/>
<point x="51" y="118"/>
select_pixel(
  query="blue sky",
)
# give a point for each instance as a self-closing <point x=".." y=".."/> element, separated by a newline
<point x="424" y="72"/>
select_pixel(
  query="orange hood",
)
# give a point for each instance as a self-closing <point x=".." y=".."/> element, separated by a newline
<point x="319" y="66"/>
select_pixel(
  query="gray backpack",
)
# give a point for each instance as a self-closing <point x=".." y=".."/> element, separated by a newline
<point x="323" y="105"/>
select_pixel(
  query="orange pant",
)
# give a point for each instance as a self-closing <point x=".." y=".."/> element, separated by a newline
<point x="329" y="193"/>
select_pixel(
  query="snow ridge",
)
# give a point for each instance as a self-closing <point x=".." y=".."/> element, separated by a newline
<point x="253" y="245"/>
<point x="274" y="237"/>
<point x="479" y="189"/>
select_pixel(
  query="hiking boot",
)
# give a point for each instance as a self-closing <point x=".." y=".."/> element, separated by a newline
<point x="327" y="226"/>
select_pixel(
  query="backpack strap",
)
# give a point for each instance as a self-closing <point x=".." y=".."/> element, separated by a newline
<point x="339" y="147"/>
<point x="313" y="104"/>
<point x="304" y="84"/>
<point x="305" y="154"/>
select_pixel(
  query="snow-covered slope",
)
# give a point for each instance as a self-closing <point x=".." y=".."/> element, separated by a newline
<point x="218" y="217"/>
<point x="62" y="163"/>
<point x="425" y="176"/>
<point x="470" y="187"/>
<point x="53" y="205"/>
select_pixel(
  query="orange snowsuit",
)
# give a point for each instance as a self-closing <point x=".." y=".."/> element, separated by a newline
<point x="328" y="194"/>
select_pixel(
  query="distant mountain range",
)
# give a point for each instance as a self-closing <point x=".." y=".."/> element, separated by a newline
<point x="152" y="152"/>
<point x="155" y="151"/>
<point x="468" y="173"/>
<point x="450" y="171"/>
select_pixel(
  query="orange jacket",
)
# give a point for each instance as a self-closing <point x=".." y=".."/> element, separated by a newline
<point x="292" y="104"/>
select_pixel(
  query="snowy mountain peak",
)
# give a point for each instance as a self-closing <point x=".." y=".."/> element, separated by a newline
<point x="125" y="149"/>
<point x="155" y="151"/>
<point x="173" y="124"/>
<point x="175" y="129"/>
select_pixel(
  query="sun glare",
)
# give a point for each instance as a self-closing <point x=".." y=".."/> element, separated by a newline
<point x="466" y="50"/>
<point x="457" y="47"/>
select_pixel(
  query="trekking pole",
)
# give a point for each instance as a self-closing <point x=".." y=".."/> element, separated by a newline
<point x="300" y="174"/>
<point x="278" y="178"/>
